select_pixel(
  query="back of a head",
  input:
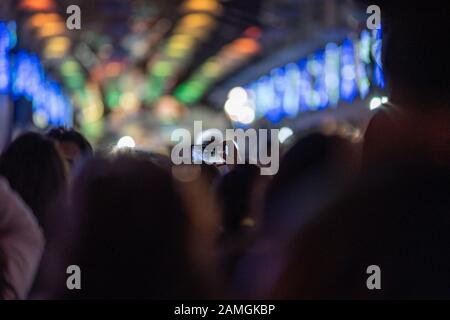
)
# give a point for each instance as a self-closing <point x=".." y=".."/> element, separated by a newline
<point x="311" y="169"/>
<point x="35" y="170"/>
<point x="235" y="193"/>
<point x="397" y="221"/>
<point x="162" y="160"/>
<point x="133" y="232"/>
<point x="415" y="52"/>
<point x="63" y="135"/>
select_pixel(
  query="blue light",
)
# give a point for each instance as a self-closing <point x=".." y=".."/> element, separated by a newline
<point x="5" y="37"/>
<point x="28" y="75"/>
<point x="378" y="76"/>
<point x="22" y="75"/>
<point x="376" y="54"/>
<point x="7" y="42"/>
<point x="46" y="96"/>
<point x="279" y="87"/>
<point x="4" y="73"/>
<point x="305" y="90"/>
<point x="349" y="89"/>
<point x="291" y="99"/>
<point x="331" y="76"/>
<point x="274" y="115"/>
<point x="338" y="73"/>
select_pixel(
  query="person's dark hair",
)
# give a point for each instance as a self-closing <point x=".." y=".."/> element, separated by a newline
<point x="162" y="160"/>
<point x="129" y="233"/>
<point x="414" y="50"/>
<point x="395" y="219"/>
<point x="311" y="171"/>
<point x="234" y="193"/>
<point x="210" y="174"/>
<point x="35" y="169"/>
<point x="63" y="134"/>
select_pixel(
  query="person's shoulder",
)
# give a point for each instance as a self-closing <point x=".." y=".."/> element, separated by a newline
<point x="10" y="201"/>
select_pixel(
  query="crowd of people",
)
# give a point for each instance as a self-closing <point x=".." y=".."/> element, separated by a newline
<point x="336" y="207"/>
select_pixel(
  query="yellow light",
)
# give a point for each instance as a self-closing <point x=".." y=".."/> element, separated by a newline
<point x="197" y="33"/>
<point x="51" y="29"/>
<point x="174" y="53"/>
<point x="197" y="20"/>
<point x="211" y="6"/>
<point x="57" y="47"/>
<point x="212" y="69"/>
<point x="181" y="42"/>
<point x="129" y="101"/>
<point x="93" y="108"/>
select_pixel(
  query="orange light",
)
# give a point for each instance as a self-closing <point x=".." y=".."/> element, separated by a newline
<point x="113" y="69"/>
<point x="230" y="52"/>
<point x="246" y="46"/>
<point x="39" y="19"/>
<point x="51" y="29"/>
<point x="37" y="5"/>
<point x="168" y="108"/>
<point x="211" y="6"/>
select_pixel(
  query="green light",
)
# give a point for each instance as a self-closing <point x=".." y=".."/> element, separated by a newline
<point x="155" y="90"/>
<point x="74" y="82"/>
<point x="69" y="68"/>
<point x="190" y="92"/>
<point x="93" y="131"/>
<point x="162" y="69"/>
<point x="112" y="98"/>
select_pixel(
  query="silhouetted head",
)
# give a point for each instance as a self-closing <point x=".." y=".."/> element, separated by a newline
<point x="414" y="52"/>
<point x="397" y="220"/>
<point x="235" y="194"/>
<point x="73" y="144"/>
<point x="129" y="233"/>
<point x="311" y="172"/>
<point x="35" y="169"/>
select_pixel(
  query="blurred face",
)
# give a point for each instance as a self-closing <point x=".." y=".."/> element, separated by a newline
<point x="70" y="151"/>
